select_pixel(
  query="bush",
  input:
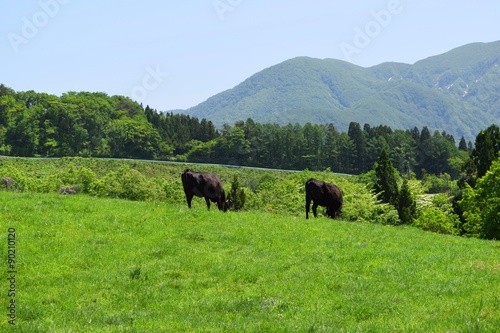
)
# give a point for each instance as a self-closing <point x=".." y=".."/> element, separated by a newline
<point x="438" y="216"/>
<point x="440" y="184"/>
<point x="174" y="191"/>
<point x="16" y="178"/>
<point x="385" y="214"/>
<point x="436" y="220"/>
<point x="81" y="176"/>
<point x="362" y="205"/>
<point x="43" y="184"/>
<point x="282" y="196"/>
<point x="252" y="200"/>
<point x="126" y="183"/>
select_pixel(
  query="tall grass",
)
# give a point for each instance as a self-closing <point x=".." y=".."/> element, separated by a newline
<point x="106" y="265"/>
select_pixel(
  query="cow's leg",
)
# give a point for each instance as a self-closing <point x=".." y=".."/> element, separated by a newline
<point x="308" y="206"/>
<point x="189" y="198"/>
<point x="208" y="202"/>
<point x="315" y="207"/>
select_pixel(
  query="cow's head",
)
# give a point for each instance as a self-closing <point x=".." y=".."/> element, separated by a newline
<point x="333" y="213"/>
<point x="226" y="204"/>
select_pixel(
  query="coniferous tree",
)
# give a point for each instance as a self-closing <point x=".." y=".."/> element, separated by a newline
<point x="470" y="147"/>
<point x="357" y="136"/>
<point x="346" y="148"/>
<point x="236" y="195"/>
<point x="424" y="151"/>
<point x="462" y="145"/>
<point x="407" y="206"/>
<point x="386" y="186"/>
<point x="415" y="134"/>
<point x="331" y="154"/>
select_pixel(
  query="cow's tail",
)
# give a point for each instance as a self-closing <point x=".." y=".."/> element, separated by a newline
<point x="307" y="183"/>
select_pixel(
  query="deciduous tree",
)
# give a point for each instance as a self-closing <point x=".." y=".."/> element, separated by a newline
<point x="481" y="205"/>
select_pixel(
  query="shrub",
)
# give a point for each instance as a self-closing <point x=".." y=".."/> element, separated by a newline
<point x="44" y="184"/>
<point x="437" y="220"/>
<point x="82" y="176"/>
<point x="436" y="214"/>
<point x="385" y="214"/>
<point x="18" y="177"/>
<point x="282" y="196"/>
<point x="266" y="181"/>
<point x="135" y="185"/>
<point x="173" y="190"/>
<point x="362" y="205"/>
<point x="439" y="184"/>
<point x="126" y="183"/>
<point x="252" y="200"/>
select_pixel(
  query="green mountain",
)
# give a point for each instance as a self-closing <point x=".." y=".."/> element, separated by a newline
<point x="458" y="92"/>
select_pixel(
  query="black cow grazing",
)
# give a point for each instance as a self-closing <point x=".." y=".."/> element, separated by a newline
<point x="323" y="194"/>
<point x="205" y="185"/>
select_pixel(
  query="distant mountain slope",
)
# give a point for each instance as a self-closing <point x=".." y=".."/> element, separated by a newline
<point x="458" y="91"/>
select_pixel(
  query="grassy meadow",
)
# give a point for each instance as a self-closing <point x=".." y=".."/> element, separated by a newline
<point x="87" y="264"/>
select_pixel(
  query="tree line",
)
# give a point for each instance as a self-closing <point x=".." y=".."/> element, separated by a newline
<point x="91" y="125"/>
<point x="320" y="147"/>
<point x="98" y="125"/>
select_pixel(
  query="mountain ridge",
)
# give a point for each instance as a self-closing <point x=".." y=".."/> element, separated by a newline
<point x="456" y="92"/>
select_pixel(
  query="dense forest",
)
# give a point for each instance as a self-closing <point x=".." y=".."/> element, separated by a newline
<point x="97" y="125"/>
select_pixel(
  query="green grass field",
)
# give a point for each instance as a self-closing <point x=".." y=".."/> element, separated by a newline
<point x="103" y="265"/>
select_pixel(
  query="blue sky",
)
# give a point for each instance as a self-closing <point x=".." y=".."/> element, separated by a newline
<point x="174" y="55"/>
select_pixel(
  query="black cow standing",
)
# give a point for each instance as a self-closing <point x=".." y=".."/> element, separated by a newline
<point x="205" y="185"/>
<point x="323" y="194"/>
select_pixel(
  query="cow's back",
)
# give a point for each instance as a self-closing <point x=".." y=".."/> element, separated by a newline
<point x="210" y="185"/>
<point x="203" y="184"/>
<point x="324" y="194"/>
<point x="334" y="196"/>
<point x="315" y="190"/>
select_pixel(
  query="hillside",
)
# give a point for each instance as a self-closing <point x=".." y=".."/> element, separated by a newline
<point x="456" y="92"/>
<point x="84" y="264"/>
